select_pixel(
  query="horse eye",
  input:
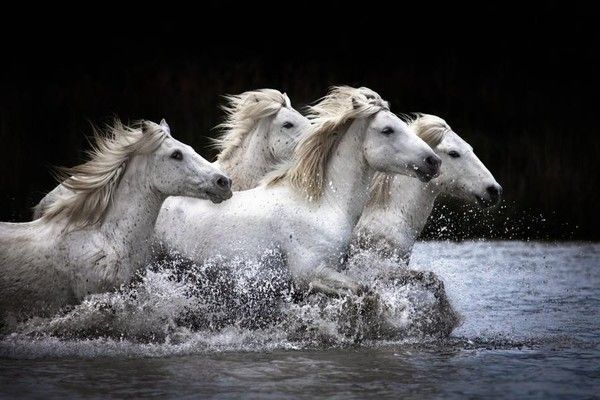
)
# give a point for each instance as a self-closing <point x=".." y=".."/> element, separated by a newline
<point x="177" y="155"/>
<point x="453" y="154"/>
<point x="288" y="125"/>
<point x="387" y="130"/>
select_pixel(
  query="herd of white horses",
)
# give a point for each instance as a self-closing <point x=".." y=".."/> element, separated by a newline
<point x="349" y="174"/>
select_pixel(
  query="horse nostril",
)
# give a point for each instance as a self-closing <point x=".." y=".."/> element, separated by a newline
<point x="223" y="182"/>
<point x="494" y="191"/>
<point x="433" y="161"/>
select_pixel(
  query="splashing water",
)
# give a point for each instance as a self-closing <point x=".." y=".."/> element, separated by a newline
<point x="177" y="306"/>
<point x="529" y="329"/>
<point x="180" y="308"/>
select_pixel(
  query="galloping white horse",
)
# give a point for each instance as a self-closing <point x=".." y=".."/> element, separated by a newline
<point x="94" y="237"/>
<point x="261" y="130"/>
<point x="399" y="207"/>
<point x="308" y="209"/>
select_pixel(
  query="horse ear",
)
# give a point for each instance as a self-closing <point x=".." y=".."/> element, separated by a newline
<point x="355" y="103"/>
<point x="144" y="125"/>
<point x="165" y="126"/>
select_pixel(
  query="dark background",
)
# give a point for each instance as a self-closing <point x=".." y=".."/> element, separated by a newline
<point x="518" y="81"/>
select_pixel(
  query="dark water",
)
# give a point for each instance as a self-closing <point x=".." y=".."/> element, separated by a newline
<point x="530" y="330"/>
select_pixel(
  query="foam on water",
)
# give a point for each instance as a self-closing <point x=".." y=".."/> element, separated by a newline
<point x="176" y="308"/>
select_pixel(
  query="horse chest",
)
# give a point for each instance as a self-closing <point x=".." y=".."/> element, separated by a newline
<point x="324" y="232"/>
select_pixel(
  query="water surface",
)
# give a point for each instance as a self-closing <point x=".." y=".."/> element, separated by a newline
<point x="530" y="329"/>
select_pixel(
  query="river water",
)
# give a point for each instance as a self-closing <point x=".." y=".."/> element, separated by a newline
<point x="529" y="328"/>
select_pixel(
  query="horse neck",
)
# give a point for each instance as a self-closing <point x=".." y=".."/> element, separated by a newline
<point x="251" y="161"/>
<point x="348" y="174"/>
<point x="134" y="208"/>
<point x="403" y="218"/>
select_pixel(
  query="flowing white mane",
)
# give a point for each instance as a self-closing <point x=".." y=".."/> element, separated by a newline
<point x="329" y="118"/>
<point x="431" y="129"/>
<point x="243" y="111"/>
<point x="92" y="184"/>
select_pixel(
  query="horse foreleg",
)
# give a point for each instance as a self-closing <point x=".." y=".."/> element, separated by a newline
<point x="331" y="282"/>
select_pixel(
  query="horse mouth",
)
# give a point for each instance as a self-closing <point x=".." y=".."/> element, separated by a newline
<point x="218" y="197"/>
<point x="485" y="203"/>
<point x="426" y="176"/>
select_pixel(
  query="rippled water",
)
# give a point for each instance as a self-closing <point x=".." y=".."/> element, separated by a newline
<point x="530" y="329"/>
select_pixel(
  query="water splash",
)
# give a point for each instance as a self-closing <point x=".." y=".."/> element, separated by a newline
<point x="177" y="307"/>
<point x="512" y="295"/>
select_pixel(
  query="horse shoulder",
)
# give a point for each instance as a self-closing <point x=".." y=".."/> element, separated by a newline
<point x="93" y="261"/>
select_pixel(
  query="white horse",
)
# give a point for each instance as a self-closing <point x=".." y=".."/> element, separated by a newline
<point x="308" y="209"/>
<point x="399" y="207"/>
<point x="96" y="236"/>
<point x="261" y="130"/>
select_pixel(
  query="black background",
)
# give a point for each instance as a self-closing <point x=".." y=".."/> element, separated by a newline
<point x="518" y="81"/>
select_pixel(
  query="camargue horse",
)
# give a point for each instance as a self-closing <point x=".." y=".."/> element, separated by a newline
<point x="399" y="207"/>
<point x="261" y="130"/>
<point x="307" y="209"/>
<point x="96" y="236"/>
